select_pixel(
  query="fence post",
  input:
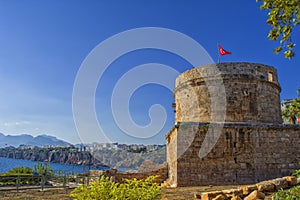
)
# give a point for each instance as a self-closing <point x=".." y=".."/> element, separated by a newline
<point x="43" y="181"/>
<point x="76" y="179"/>
<point x="18" y="183"/>
<point x="64" y="182"/>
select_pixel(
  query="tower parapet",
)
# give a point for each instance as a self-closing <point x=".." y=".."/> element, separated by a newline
<point x="252" y="93"/>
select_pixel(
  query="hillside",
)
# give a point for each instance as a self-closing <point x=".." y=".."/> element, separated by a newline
<point x="127" y="159"/>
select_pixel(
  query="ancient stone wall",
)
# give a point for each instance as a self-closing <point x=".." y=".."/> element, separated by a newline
<point x="228" y="127"/>
<point x="251" y="93"/>
<point x="119" y="177"/>
<point x="244" y="153"/>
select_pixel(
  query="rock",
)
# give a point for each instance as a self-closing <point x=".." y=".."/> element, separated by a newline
<point x="233" y="192"/>
<point x="248" y="189"/>
<point x="292" y="180"/>
<point x="210" y="195"/>
<point x="255" y="195"/>
<point x="236" y="198"/>
<point x="265" y="186"/>
<point x="280" y="183"/>
<point x="220" y="197"/>
<point x="197" y="196"/>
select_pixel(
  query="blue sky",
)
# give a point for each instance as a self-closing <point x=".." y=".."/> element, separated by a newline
<point x="43" y="44"/>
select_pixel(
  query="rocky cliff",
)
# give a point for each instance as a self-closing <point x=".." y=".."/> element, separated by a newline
<point x="70" y="155"/>
<point x="56" y="155"/>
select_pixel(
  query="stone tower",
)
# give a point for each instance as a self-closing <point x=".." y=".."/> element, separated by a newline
<point x="228" y="127"/>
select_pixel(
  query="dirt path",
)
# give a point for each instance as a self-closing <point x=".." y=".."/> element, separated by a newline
<point x="36" y="194"/>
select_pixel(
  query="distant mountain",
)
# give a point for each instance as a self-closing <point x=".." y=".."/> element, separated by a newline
<point x="47" y="140"/>
<point x="40" y="141"/>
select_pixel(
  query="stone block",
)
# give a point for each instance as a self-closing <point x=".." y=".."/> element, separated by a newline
<point x="255" y="195"/>
<point x="220" y="197"/>
<point x="233" y="192"/>
<point x="265" y="186"/>
<point x="210" y="195"/>
<point x="248" y="189"/>
<point x="197" y="196"/>
<point x="236" y="198"/>
<point x="292" y="180"/>
<point x="280" y="183"/>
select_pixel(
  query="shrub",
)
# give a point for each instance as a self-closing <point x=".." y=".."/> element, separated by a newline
<point x="291" y="194"/>
<point x="131" y="189"/>
<point x="297" y="172"/>
<point x="25" y="175"/>
<point x="20" y="170"/>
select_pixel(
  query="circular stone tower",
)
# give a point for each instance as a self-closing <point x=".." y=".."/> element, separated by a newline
<point x="242" y="92"/>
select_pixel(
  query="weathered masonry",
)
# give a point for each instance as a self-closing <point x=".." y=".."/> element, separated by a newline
<point x="228" y="127"/>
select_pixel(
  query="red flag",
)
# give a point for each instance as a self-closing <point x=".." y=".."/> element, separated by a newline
<point x="222" y="51"/>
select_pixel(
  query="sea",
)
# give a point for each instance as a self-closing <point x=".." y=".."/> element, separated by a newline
<point x="7" y="164"/>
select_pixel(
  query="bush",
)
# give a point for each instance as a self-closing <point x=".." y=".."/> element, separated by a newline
<point x="20" y="170"/>
<point x="297" y="172"/>
<point x="291" y="194"/>
<point x="25" y="175"/>
<point x="131" y="189"/>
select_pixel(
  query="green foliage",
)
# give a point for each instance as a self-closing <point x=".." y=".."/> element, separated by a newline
<point x="283" y="17"/>
<point x="292" y="111"/>
<point x="20" y="170"/>
<point x="133" y="189"/>
<point x="297" y="173"/>
<point x="44" y="170"/>
<point x="291" y="194"/>
<point x="24" y="175"/>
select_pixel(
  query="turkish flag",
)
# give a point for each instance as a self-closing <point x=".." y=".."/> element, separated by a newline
<point x="222" y="51"/>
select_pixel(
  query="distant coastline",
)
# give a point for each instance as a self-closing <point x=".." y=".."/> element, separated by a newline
<point x="63" y="155"/>
<point x="97" y="155"/>
<point x="7" y="164"/>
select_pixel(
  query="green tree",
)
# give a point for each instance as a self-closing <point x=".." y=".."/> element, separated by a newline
<point x="44" y="170"/>
<point x="283" y="17"/>
<point x="292" y="111"/>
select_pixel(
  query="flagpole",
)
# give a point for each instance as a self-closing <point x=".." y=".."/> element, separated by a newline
<point x="222" y="52"/>
<point x="218" y="53"/>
